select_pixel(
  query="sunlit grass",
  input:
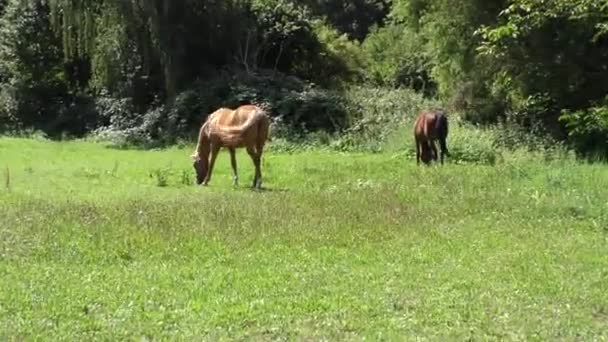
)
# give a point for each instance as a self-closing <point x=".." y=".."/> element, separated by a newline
<point x="118" y="244"/>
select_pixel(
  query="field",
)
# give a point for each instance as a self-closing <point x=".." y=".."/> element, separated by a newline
<point x="105" y="244"/>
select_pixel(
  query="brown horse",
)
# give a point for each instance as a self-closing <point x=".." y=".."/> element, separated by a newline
<point x="247" y="126"/>
<point x="430" y="126"/>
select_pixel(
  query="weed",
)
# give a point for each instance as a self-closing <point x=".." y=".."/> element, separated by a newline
<point x="114" y="171"/>
<point x="161" y="176"/>
<point x="186" y="178"/>
<point x="7" y="178"/>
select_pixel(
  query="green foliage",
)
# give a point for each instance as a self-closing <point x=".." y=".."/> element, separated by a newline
<point x="294" y="102"/>
<point x="445" y="29"/>
<point x="376" y="115"/>
<point x="32" y="84"/>
<point x="285" y="38"/>
<point x="297" y="107"/>
<point x="523" y="62"/>
<point x="172" y="44"/>
<point x="352" y="17"/>
<point x="467" y="143"/>
<point x="588" y="129"/>
<point x="156" y="53"/>
<point x="543" y="73"/>
<point x="115" y="56"/>
<point x="398" y="58"/>
<point x="161" y="176"/>
<point x="147" y="72"/>
<point x="343" y="58"/>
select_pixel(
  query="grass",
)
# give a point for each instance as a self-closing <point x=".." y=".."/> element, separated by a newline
<point x="103" y="244"/>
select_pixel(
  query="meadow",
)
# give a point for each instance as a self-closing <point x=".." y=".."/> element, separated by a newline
<point x="105" y="244"/>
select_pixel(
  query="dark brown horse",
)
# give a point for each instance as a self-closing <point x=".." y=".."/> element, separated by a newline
<point x="247" y="126"/>
<point x="430" y="126"/>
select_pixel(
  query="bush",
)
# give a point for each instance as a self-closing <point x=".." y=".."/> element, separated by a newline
<point x="471" y="144"/>
<point x="512" y="136"/>
<point x="121" y="124"/>
<point x="376" y="115"/>
<point x="588" y="130"/>
<point x="297" y="108"/>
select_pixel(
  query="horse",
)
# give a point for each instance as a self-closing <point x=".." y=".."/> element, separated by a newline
<point x="430" y="126"/>
<point x="247" y="126"/>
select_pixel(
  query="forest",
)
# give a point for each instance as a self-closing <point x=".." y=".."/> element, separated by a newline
<point x="148" y="71"/>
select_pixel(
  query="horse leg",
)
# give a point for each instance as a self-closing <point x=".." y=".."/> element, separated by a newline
<point x="417" y="152"/>
<point x="433" y="149"/>
<point x="255" y="156"/>
<point x="444" y="149"/>
<point x="233" y="163"/>
<point x="215" y="149"/>
<point x="259" y="152"/>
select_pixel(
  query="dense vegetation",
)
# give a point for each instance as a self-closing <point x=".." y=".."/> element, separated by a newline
<point x="147" y="71"/>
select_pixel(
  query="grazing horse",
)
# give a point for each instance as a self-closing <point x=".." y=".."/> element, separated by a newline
<point x="247" y="126"/>
<point x="430" y="126"/>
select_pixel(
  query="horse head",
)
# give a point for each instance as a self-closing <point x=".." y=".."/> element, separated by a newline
<point x="200" y="167"/>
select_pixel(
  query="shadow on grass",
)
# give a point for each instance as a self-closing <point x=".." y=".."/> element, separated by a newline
<point x="265" y="189"/>
<point x="249" y="188"/>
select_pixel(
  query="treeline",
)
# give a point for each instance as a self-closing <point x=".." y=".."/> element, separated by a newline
<point x="151" y="68"/>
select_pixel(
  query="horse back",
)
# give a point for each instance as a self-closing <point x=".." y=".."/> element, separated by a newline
<point x="424" y="126"/>
<point x="243" y="126"/>
<point x="431" y="125"/>
<point x="233" y="117"/>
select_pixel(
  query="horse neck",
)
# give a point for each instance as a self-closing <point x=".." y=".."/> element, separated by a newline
<point x="204" y="144"/>
<point x="204" y="147"/>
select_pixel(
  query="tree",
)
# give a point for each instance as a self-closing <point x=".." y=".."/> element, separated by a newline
<point x="353" y="17"/>
<point x="32" y="79"/>
<point x="550" y="57"/>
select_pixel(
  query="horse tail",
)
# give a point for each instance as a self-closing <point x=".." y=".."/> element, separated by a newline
<point x="441" y="125"/>
<point x="264" y="129"/>
<point x="268" y="135"/>
<point x="441" y="129"/>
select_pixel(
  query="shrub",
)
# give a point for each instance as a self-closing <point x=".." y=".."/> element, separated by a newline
<point x="376" y="115"/>
<point x="472" y="144"/>
<point x="161" y="176"/>
<point x="298" y="108"/>
<point x="588" y="130"/>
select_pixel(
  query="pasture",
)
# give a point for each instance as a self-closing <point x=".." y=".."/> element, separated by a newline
<point x="105" y="244"/>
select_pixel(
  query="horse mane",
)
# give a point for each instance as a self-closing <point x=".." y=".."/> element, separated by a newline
<point x="203" y="133"/>
<point x="203" y="138"/>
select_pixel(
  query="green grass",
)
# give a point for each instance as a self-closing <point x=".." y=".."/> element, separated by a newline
<point x="339" y="246"/>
